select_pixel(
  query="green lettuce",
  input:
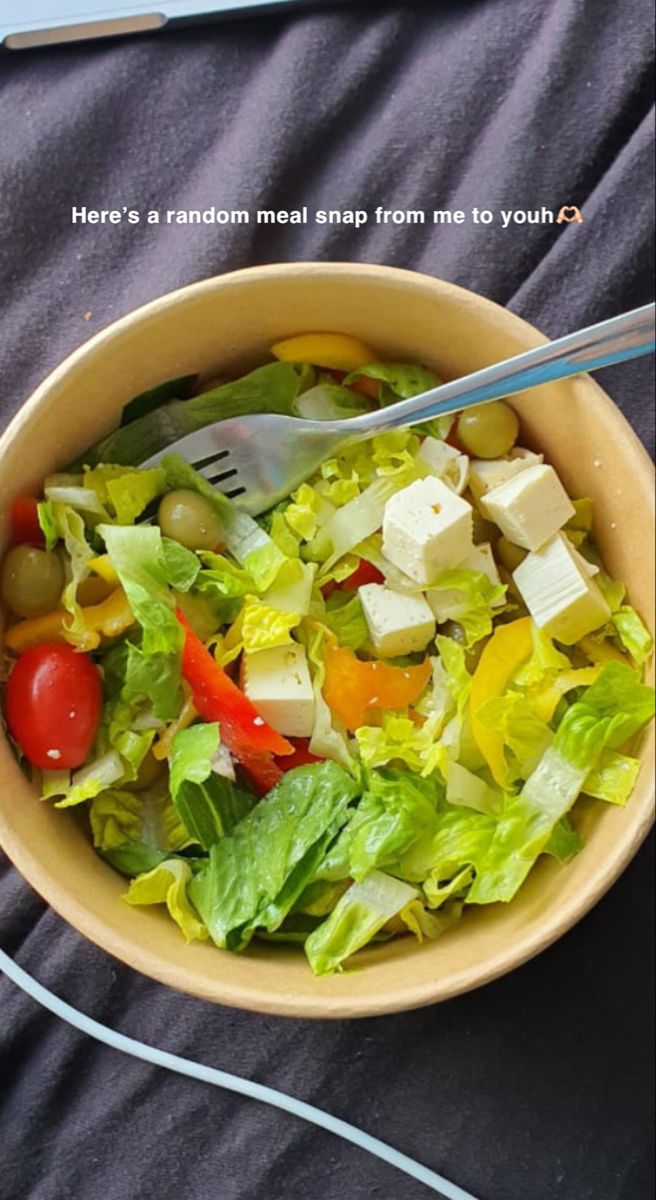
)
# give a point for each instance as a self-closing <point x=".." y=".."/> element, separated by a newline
<point x="358" y="916"/>
<point x="610" y="712"/>
<point x="256" y="874"/>
<point x="168" y="883"/>
<point x="632" y="634"/>
<point x="135" y="831"/>
<point x="613" y="778"/>
<point x="273" y="388"/>
<point x="124" y="495"/>
<point x="182" y="566"/>
<point x="344" y="616"/>
<point x="136" y="554"/>
<point x="209" y="804"/>
<point x="396" y="810"/>
<point x="470" y="598"/>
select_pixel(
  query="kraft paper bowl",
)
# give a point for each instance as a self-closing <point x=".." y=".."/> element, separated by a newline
<point x="226" y="325"/>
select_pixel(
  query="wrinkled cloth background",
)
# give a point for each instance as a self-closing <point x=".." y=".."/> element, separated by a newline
<point x="539" y="1086"/>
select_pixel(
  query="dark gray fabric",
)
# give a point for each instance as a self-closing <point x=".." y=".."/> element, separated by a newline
<point x="539" y="1086"/>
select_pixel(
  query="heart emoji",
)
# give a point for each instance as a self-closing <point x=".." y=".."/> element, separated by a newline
<point x="569" y="212"/>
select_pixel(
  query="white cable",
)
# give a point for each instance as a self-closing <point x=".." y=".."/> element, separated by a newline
<point x="232" y="1083"/>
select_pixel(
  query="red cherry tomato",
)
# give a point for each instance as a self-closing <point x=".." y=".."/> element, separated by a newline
<point x="366" y="387"/>
<point x="301" y="756"/>
<point x="25" y="527"/>
<point x="53" y="703"/>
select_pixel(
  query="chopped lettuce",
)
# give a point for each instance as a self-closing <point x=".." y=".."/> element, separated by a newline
<point x="263" y="627"/>
<point x="632" y="634"/>
<point x="610" y="712"/>
<point x="168" y="883"/>
<point x="468" y="597"/>
<point x="360" y="914"/>
<point x="125" y="494"/>
<point x="134" y="831"/>
<point x="613" y="778"/>
<point x="273" y="388"/>
<point x="344" y="616"/>
<point x="398" y="738"/>
<point x="255" y="875"/>
<point x="209" y="804"/>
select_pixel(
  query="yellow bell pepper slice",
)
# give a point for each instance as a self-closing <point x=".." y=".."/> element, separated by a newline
<point x="506" y="650"/>
<point x="102" y="566"/>
<point x="335" y="351"/>
<point x="547" y="701"/>
<point x="602" y="652"/>
<point x="109" y="619"/>
<point x="35" y="631"/>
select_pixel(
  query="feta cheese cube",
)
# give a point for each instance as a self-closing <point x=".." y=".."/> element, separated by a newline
<point x="446" y="462"/>
<point x="485" y="474"/>
<point x="447" y="603"/>
<point x="398" y="623"/>
<point x="529" y="508"/>
<point x="559" y="592"/>
<point x="427" y="529"/>
<point x="278" y="683"/>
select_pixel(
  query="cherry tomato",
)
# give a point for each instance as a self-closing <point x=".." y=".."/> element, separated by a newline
<point x="53" y="702"/>
<point x="24" y="519"/>
<point x="365" y="572"/>
<point x="301" y="756"/>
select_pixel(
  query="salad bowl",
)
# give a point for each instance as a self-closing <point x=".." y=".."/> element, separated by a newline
<point x="222" y="327"/>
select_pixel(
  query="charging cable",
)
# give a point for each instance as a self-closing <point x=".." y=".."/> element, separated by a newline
<point x="231" y="1083"/>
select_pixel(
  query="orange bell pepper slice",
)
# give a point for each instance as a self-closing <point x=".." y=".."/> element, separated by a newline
<point x="353" y="688"/>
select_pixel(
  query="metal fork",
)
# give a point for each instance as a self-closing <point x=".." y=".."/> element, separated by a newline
<point x="258" y="460"/>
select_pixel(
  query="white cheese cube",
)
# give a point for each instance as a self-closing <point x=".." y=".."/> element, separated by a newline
<point x="482" y="559"/>
<point x="446" y="462"/>
<point x="529" y="508"/>
<point x="485" y="474"/>
<point x="278" y="683"/>
<point x="559" y="592"/>
<point x="447" y="603"/>
<point x="398" y="624"/>
<point x="427" y="529"/>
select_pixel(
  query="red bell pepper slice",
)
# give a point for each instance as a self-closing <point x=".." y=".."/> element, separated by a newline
<point x="365" y="572"/>
<point x="24" y="523"/>
<point x="216" y="698"/>
<point x="302" y="756"/>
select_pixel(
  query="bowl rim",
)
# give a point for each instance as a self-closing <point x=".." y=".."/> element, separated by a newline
<point x="403" y="996"/>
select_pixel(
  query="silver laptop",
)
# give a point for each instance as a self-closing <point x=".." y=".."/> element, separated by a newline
<point x="28" y="23"/>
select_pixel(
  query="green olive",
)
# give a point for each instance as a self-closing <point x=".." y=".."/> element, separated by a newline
<point x="189" y="519"/>
<point x="488" y="430"/>
<point x="510" y="554"/>
<point x="32" y="581"/>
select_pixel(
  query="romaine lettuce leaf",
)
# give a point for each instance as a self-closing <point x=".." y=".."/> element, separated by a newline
<point x="469" y="598"/>
<point x="609" y="712"/>
<point x="398" y="738"/>
<point x="344" y="616"/>
<point x="272" y="388"/>
<point x="124" y="494"/>
<point x="396" y="810"/>
<point x="134" y="831"/>
<point x="613" y="778"/>
<point x="255" y="875"/>
<point x="360" y="914"/>
<point x="182" y="566"/>
<point x="632" y="634"/>
<point x="168" y="883"/>
<point x="136" y="554"/>
<point x="209" y="804"/>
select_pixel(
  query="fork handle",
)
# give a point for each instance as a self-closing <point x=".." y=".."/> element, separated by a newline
<point x="616" y="340"/>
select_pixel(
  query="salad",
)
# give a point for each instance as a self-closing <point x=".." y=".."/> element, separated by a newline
<point x="345" y="721"/>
